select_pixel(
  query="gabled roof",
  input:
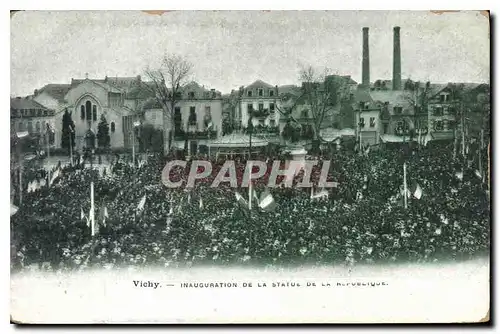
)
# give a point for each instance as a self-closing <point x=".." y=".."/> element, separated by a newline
<point x="289" y="89"/>
<point x="57" y="91"/>
<point x="258" y="84"/>
<point x="24" y="103"/>
<point x="123" y="82"/>
<point x="393" y="97"/>
<point x="362" y="95"/>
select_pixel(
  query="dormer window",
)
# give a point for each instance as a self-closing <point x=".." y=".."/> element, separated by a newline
<point x="191" y="95"/>
<point x="249" y="93"/>
<point x="271" y="92"/>
<point x="261" y="92"/>
<point x="398" y="110"/>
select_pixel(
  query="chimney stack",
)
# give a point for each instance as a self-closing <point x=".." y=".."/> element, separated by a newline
<point x="366" y="60"/>
<point x="396" y="64"/>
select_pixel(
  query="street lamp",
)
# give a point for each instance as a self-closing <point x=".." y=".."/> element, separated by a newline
<point x="20" y="136"/>
<point x="135" y="124"/>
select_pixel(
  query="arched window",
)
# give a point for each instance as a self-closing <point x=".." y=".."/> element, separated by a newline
<point x="30" y="126"/>
<point x="113" y="127"/>
<point x="82" y="113"/>
<point x="88" y="110"/>
<point x="94" y="113"/>
<point x="44" y="126"/>
<point x="20" y="127"/>
<point x="37" y="127"/>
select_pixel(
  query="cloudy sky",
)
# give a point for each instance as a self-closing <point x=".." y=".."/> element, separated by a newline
<point x="230" y="49"/>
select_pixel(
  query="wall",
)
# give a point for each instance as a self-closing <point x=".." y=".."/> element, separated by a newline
<point x="243" y="107"/>
<point x="369" y="134"/>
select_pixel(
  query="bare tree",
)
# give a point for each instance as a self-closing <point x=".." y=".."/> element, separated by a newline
<point x="321" y="94"/>
<point x="166" y="84"/>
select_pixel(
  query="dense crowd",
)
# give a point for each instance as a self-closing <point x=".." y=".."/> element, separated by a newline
<point x="363" y="220"/>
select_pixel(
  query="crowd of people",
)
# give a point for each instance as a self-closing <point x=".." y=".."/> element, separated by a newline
<point x="362" y="220"/>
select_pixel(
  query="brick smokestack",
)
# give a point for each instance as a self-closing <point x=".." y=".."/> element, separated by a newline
<point x="396" y="61"/>
<point x="366" y="60"/>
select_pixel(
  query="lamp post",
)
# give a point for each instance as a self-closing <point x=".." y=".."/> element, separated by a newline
<point x="20" y="136"/>
<point x="135" y="125"/>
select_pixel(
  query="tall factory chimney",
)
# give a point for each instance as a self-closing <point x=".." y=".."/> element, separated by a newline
<point x="396" y="61"/>
<point x="366" y="60"/>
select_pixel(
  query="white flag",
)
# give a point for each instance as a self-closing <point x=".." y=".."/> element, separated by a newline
<point x="418" y="192"/>
<point x="267" y="202"/>
<point x="140" y="207"/>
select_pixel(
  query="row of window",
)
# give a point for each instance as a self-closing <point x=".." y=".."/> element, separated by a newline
<point x="88" y="112"/>
<point x="30" y="113"/>
<point x="443" y="110"/>
<point x="40" y="127"/>
<point x="362" y="122"/>
<point x="272" y="107"/>
<point x="261" y="92"/>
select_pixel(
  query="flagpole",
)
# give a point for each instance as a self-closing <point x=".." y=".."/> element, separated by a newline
<point x="250" y="195"/>
<point x="92" y="221"/>
<point x="405" y="187"/>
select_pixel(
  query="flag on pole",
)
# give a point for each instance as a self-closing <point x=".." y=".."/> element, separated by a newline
<point x="140" y="207"/>
<point x="418" y="192"/>
<point x="55" y="175"/>
<point x="241" y="201"/>
<point x="92" y="209"/>
<point x="267" y="202"/>
<point x="323" y="194"/>
<point x="104" y="214"/>
<point x="13" y="209"/>
<point x="201" y="203"/>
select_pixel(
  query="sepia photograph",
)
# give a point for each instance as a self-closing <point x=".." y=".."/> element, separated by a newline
<point x="314" y="166"/>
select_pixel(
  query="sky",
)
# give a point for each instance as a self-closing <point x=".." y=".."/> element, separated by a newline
<point x="229" y="49"/>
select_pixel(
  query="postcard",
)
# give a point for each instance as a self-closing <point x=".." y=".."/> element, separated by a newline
<point x="250" y="167"/>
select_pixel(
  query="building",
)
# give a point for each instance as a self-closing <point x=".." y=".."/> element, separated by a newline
<point x="29" y="115"/>
<point x="259" y="102"/>
<point x="124" y="101"/>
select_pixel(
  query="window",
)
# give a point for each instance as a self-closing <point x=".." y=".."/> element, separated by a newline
<point x="192" y="115"/>
<point x="261" y="106"/>
<point x="398" y="110"/>
<point x="444" y="97"/>
<point x="272" y="123"/>
<point x="271" y="92"/>
<point x="30" y="126"/>
<point x="178" y="95"/>
<point x="88" y="110"/>
<point x="113" y="127"/>
<point x="94" y="112"/>
<point x="45" y="113"/>
<point x="191" y="95"/>
<point x="361" y="122"/>
<point x="304" y="113"/>
<point x="249" y="93"/>
<point x="438" y="126"/>
<point x="261" y="92"/>
<point x="177" y="119"/>
<point x="207" y="111"/>
<point x="37" y="127"/>
<point x="39" y="112"/>
<point x="386" y="127"/>
<point x="261" y="122"/>
<point x="250" y="108"/>
<point x="438" y="111"/>
<point x="153" y="115"/>
<point x="271" y="107"/>
<point x="32" y="112"/>
<point x="44" y="126"/>
<point x="82" y="112"/>
<point x="372" y="122"/>
<point x="21" y="126"/>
